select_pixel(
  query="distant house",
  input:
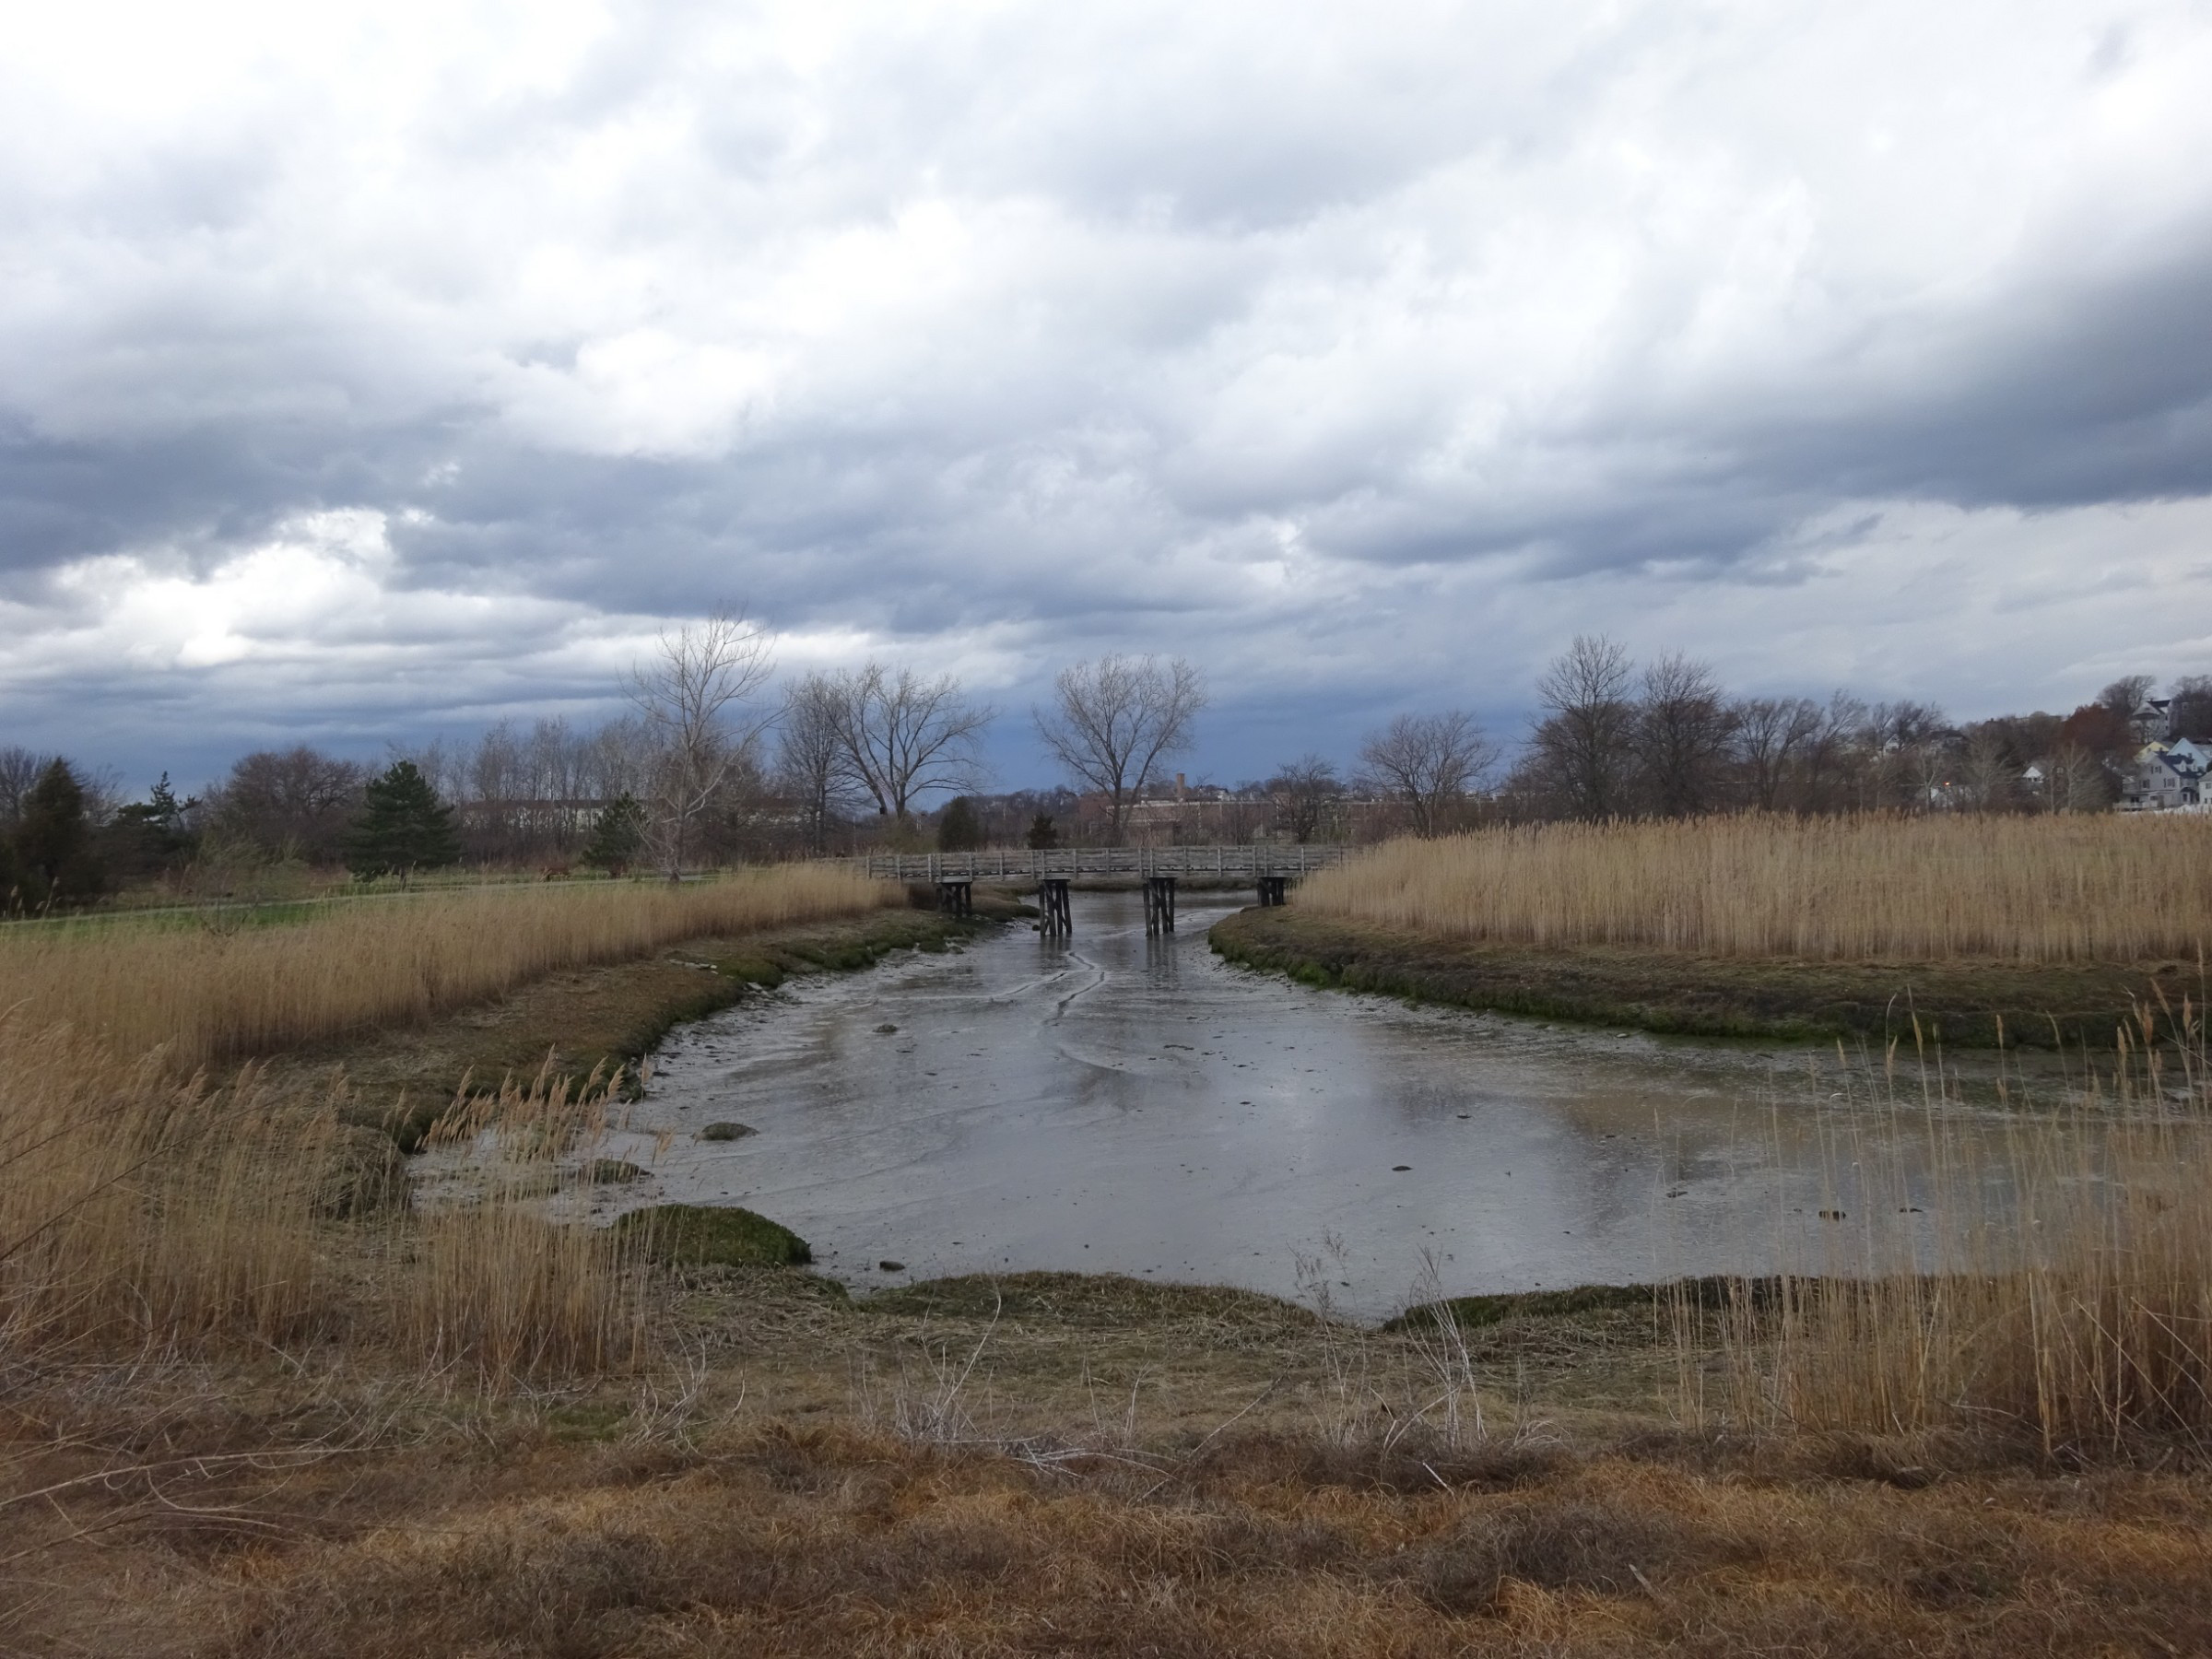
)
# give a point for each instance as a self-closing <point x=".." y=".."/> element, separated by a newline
<point x="2164" y="777"/>
<point x="2153" y="722"/>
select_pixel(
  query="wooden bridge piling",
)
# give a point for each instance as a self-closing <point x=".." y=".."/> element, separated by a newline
<point x="1052" y="901"/>
<point x="1160" y="904"/>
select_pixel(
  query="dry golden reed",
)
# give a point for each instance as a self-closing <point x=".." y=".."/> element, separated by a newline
<point x="2066" y="1293"/>
<point x="205" y="997"/>
<point x="2069" y="888"/>
<point x="138" y="1208"/>
<point x="492" y="1279"/>
<point x="143" y="1214"/>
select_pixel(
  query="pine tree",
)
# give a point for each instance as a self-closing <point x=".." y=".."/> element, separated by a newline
<point x="53" y="841"/>
<point x="147" y="835"/>
<point x="617" y="837"/>
<point x="958" y="829"/>
<point x="402" y="828"/>
<point x="1043" y="833"/>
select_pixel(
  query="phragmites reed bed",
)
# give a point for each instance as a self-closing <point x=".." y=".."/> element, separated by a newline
<point x="142" y="1205"/>
<point x="2066" y="888"/>
<point x="2064" y="1295"/>
<point x="143" y="1214"/>
<point x="204" y="997"/>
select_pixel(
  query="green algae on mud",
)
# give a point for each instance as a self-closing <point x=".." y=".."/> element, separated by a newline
<point x="698" y="1235"/>
<point x="1107" y="1299"/>
<point x="1960" y="1005"/>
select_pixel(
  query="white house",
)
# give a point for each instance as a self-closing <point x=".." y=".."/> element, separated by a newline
<point x="2165" y="776"/>
<point x="2154" y="721"/>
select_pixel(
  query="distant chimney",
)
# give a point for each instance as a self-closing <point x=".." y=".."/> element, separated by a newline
<point x="1178" y="786"/>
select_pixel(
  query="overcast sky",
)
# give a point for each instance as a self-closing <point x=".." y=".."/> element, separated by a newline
<point x="371" y="373"/>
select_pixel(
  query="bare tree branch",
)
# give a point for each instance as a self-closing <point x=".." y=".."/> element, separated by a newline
<point x="1114" y="720"/>
<point x="903" y="736"/>
<point x="1304" y="790"/>
<point x="1682" y="731"/>
<point x="691" y="694"/>
<point x="1584" y="742"/>
<point x="1427" y="763"/>
<point x="810" y="756"/>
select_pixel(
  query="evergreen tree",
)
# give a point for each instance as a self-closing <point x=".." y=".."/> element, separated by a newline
<point x="403" y="828"/>
<point x="53" y="841"/>
<point x="958" y="829"/>
<point x="147" y="835"/>
<point x="617" y="837"/>
<point x="1043" y="833"/>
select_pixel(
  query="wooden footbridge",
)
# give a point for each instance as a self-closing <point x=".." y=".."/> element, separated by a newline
<point x="1270" y="871"/>
<point x="1073" y="863"/>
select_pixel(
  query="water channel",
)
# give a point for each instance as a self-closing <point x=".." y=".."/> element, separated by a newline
<point x="1120" y="1103"/>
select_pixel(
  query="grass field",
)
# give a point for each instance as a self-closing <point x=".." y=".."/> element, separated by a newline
<point x="2051" y="889"/>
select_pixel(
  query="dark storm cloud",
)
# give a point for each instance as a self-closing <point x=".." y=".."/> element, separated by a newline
<point x="415" y="362"/>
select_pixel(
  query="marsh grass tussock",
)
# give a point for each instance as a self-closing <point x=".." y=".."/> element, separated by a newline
<point x="2107" y="888"/>
<point x="206" y="996"/>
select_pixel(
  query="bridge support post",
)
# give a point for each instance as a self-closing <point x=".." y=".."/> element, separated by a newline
<point x="1275" y="889"/>
<point x="1052" y="899"/>
<point x="955" y="895"/>
<point x="1160" y="904"/>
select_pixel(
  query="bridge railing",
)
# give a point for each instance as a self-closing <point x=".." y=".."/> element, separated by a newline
<point x="1248" y="862"/>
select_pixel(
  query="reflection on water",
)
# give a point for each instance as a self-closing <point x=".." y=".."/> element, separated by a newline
<point x="1115" y="1103"/>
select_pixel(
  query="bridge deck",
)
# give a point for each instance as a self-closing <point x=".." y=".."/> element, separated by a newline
<point x="1248" y="861"/>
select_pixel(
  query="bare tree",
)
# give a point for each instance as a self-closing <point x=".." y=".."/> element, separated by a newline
<point x="291" y="803"/>
<point x="691" y="695"/>
<point x="1772" y="735"/>
<point x="903" y="736"/>
<point x="1427" y="763"/>
<point x="1904" y="724"/>
<point x="2126" y="694"/>
<point x="2076" y="780"/>
<point x="1585" y="744"/>
<point x="2191" y="711"/>
<point x="810" y="756"/>
<point x="1114" y="720"/>
<point x="1987" y="771"/>
<point x="20" y="771"/>
<point x="1831" y="765"/>
<point x="1304" y="791"/>
<point x="1682" y="730"/>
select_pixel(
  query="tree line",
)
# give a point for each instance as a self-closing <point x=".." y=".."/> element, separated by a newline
<point x="711" y="763"/>
<point x="1667" y="740"/>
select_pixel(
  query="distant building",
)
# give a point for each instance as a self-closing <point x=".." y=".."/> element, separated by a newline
<point x="2153" y="722"/>
<point x="2165" y="776"/>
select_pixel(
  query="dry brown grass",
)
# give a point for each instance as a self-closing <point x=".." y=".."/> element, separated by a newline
<point x="2032" y="889"/>
<point x="2062" y="1296"/>
<point x="204" y="997"/>
<point x="804" y="1540"/>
